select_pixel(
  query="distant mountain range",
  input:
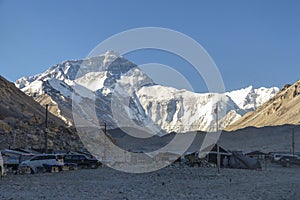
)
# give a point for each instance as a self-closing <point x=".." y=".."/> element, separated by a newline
<point x="283" y="108"/>
<point x="149" y="104"/>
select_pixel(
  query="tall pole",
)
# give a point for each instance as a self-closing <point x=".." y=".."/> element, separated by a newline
<point x="293" y="141"/>
<point x="217" y="129"/>
<point x="218" y="158"/>
<point x="14" y="142"/>
<point x="46" y="129"/>
<point x="217" y="118"/>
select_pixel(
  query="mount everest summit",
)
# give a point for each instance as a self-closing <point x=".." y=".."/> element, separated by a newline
<point x="120" y="94"/>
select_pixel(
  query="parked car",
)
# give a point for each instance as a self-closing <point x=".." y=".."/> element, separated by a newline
<point x="289" y="157"/>
<point x="276" y="156"/>
<point x="40" y="161"/>
<point x="82" y="161"/>
<point x="2" y="170"/>
<point x="13" y="158"/>
<point x="288" y="160"/>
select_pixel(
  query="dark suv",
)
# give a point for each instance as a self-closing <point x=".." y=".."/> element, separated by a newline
<point x="82" y="161"/>
<point x="289" y="159"/>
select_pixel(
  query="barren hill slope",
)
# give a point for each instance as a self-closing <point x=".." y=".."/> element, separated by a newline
<point x="22" y="122"/>
<point x="17" y="106"/>
<point x="283" y="108"/>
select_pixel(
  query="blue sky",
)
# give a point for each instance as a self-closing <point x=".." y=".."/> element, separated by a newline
<point x="252" y="42"/>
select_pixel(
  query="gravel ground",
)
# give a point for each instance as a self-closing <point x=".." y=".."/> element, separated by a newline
<point x="174" y="182"/>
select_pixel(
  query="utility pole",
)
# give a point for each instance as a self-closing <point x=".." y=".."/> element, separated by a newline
<point x="46" y="129"/>
<point x="218" y="158"/>
<point x="217" y="129"/>
<point x="14" y="139"/>
<point x="293" y="141"/>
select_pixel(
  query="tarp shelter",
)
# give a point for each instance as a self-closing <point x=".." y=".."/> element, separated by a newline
<point x="257" y="155"/>
<point x="240" y="161"/>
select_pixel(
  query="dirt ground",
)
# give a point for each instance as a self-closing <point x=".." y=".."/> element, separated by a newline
<point x="173" y="182"/>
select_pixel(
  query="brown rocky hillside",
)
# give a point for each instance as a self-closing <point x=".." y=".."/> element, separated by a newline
<point x="22" y="122"/>
<point x="283" y="108"/>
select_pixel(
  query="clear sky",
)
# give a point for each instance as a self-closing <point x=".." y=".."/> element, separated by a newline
<point x="252" y="42"/>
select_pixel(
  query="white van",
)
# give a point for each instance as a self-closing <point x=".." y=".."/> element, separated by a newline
<point x="40" y="160"/>
<point x="2" y="170"/>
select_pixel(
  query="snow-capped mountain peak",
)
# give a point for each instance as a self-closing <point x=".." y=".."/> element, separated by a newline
<point x="250" y="99"/>
<point x="109" y="57"/>
<point x="110" y="74"/>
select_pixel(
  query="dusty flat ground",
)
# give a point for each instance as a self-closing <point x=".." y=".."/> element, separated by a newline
<point x="175" y="182"/>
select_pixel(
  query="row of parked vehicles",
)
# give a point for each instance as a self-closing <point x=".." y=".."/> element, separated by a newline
<point x="286" y="159"/>
<point x="33" y="163"/>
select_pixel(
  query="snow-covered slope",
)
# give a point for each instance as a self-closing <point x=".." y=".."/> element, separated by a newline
<point x="181" y="110"/>
<point x="250" y="99"/>
<point x="126" y="96"/>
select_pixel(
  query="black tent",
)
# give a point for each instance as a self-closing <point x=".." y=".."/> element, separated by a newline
<point x="240" y="161"/>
